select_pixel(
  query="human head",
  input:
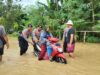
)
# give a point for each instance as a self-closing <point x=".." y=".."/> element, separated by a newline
<point x="47" y="29"/>
<point x="39" y="27"/>
<point x="30" y="27"/>
<point x="69" y="23"/>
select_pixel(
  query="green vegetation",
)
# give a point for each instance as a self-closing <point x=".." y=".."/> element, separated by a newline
<point x="93" y="39"/>
<point x="84" y="13"/>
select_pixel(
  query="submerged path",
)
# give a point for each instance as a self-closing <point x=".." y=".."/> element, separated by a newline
<point x="87" y="62"/>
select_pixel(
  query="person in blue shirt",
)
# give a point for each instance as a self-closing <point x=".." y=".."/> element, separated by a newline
<point x="44" y="41"/>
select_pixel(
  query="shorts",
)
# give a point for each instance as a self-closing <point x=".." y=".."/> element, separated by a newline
<point x="70" y="49"/>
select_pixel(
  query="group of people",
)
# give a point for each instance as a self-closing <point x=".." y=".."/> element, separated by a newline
<point x="39" y="35"/>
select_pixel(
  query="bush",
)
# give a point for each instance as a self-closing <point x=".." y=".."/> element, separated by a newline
<point x="15" y="34"/>
<point x="93" y="39"/>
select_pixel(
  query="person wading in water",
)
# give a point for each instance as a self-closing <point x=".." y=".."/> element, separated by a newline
<point x="23" y="39"/>
<point x="3" y="41"/>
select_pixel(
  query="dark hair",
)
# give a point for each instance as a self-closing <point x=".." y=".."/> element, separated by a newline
<point x="39" y="26"/>
<point x="30" y="25"/>
<point x="46" y="28"/>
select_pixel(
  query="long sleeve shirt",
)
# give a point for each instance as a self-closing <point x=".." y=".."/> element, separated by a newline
<point x="44" y="37"/>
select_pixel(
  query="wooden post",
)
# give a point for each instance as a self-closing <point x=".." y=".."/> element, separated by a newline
<point x="85" y="33"/>
<point x="59" y="35"/>
<point x="84" y="40"/>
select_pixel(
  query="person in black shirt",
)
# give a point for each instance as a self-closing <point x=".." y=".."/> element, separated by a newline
<point x="70" y="39"/>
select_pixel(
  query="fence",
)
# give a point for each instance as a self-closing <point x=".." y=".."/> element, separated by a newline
<point x="85" y="34"/>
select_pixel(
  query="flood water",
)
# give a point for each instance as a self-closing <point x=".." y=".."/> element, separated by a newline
<point x="85" y="63"/>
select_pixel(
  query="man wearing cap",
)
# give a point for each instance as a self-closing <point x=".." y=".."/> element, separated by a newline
<point x="3" y="41"/>
<point x="70" y="39"/>
<point x="23" y="39"/>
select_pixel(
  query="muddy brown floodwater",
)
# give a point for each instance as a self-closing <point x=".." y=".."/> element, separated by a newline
<point x="87" y="62"/>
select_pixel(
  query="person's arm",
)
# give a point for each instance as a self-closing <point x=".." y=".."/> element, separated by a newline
<point x="34" y="36"/>
<point x="71" y="37"/>
<point x="5" y="37"/>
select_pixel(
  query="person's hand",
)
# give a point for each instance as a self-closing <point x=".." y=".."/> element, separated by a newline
<point x="47" y="40"/>
<point x="31" y="43"/>
<point x="36" y="40"/>
<point x="7" y="45"/>
<point x="69" y="45"/>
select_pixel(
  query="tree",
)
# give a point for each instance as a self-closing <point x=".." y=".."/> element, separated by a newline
<point x="10" y="13"/>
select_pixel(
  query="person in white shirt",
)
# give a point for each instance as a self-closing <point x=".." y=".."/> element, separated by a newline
<point x="23" y="39"/>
